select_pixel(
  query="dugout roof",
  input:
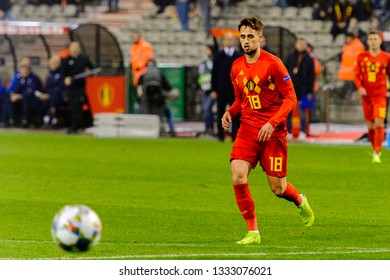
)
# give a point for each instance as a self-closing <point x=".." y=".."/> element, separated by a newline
<point x="40" y="41"/>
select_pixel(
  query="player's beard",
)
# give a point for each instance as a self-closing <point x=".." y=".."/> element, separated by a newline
<point x="250" y="52"/>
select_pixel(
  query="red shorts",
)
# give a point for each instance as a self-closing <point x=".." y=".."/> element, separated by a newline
<point x="271" y="155"/>
<point x="374" y="107"/>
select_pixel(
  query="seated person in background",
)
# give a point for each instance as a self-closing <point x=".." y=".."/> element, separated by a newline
<point x="341" y="14"/>
<point x="8" y="110"/>
<point x="6" y="10"/>
<point x="55" y="93"/>
<point x="363" y="9"/>
<point x="23" y="97"/>
<point x="322" y="10"/>
<point x="354" y="27"/>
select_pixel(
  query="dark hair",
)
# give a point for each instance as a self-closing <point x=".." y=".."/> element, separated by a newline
<point x="374" y="32"/>
<point x="253" y="22"/>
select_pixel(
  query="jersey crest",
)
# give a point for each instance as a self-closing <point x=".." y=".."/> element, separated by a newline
<point x="251" y="85"/>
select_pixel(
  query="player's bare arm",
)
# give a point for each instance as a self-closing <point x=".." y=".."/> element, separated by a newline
<point x="226" y="120"/>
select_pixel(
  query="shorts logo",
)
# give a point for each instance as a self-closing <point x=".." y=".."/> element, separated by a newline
<point x="285" y="79"/>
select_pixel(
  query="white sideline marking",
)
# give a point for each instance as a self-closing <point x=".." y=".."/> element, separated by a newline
<point x="332" y="251"/>
<point x="169" y="256"/>
<point x="175" y="244"/>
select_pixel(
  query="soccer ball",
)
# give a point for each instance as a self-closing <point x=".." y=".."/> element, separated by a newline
<point x="76" y="228"/>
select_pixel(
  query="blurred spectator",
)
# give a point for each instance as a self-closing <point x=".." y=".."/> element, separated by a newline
<point x="76" y="63"/>
<point x="5" y="10"/>
<point x="183" y="9"/>
<point x="80" y="5"/>
<point x="351" y="49"/>
<point x="354" y="28"/>
<point x="140" y="53"/>
<point x="153" y="88"/>
<point x="300" y="3"/>
<point x="341" y="14"/>
<point x="378" y="4"/>
<point x="162" y="4"/>
<point x="375" y="25"/>
<point x="317" y="66"/>
<point x="171" y="120"/>
<point x="204" y="81"/>
<point x="34" y="2"/>
<point x="206" y="6"/>
<point x="322" y="10"/>
<point x="301" y="69"/>
<point x="363" y="9"/>
<point x="281" y="3"/>
<point x="55" y="93"/>
<point x="24" y="100"/>
<point x="317" y="73"/>
<point x="264" y="44"/>
<point x="8" y="116"/>
<point x="226" y="3"/>
<point x="221" y="88"/>
<point x="385" y="15"/>
<point x="113" y="6"/>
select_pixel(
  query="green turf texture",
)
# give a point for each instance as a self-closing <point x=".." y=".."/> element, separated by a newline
<point x="173" y="199"/>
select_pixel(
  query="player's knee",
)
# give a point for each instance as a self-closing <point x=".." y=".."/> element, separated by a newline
<point x="239" y="177"/>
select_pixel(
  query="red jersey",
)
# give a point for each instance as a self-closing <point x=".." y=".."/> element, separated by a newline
<point x="370" y="73"/>
<point x="263" y="93"/>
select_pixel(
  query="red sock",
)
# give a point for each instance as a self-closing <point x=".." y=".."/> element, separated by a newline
<point x="371" y="136"/>
<point x="291" y="194"/>
<point x="378" y="138"/>
<point x="246" y="205"/>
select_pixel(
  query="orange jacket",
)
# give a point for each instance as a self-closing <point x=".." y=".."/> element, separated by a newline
<point x="348" y="59"/>
<point x="140" y="53"/>
<point x="317" y="70"/>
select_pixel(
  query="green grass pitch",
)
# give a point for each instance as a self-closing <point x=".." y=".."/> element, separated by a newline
<point x="172" y="199"/>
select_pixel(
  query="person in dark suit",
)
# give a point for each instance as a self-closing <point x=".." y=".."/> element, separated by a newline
<point x="221" y="87"/>
<point x="74" y="64"/>
<point x="300" y="66"/>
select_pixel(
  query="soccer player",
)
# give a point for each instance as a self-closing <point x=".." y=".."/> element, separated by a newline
<point x="264" y="95"/>
<point x="370" y="80"/>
